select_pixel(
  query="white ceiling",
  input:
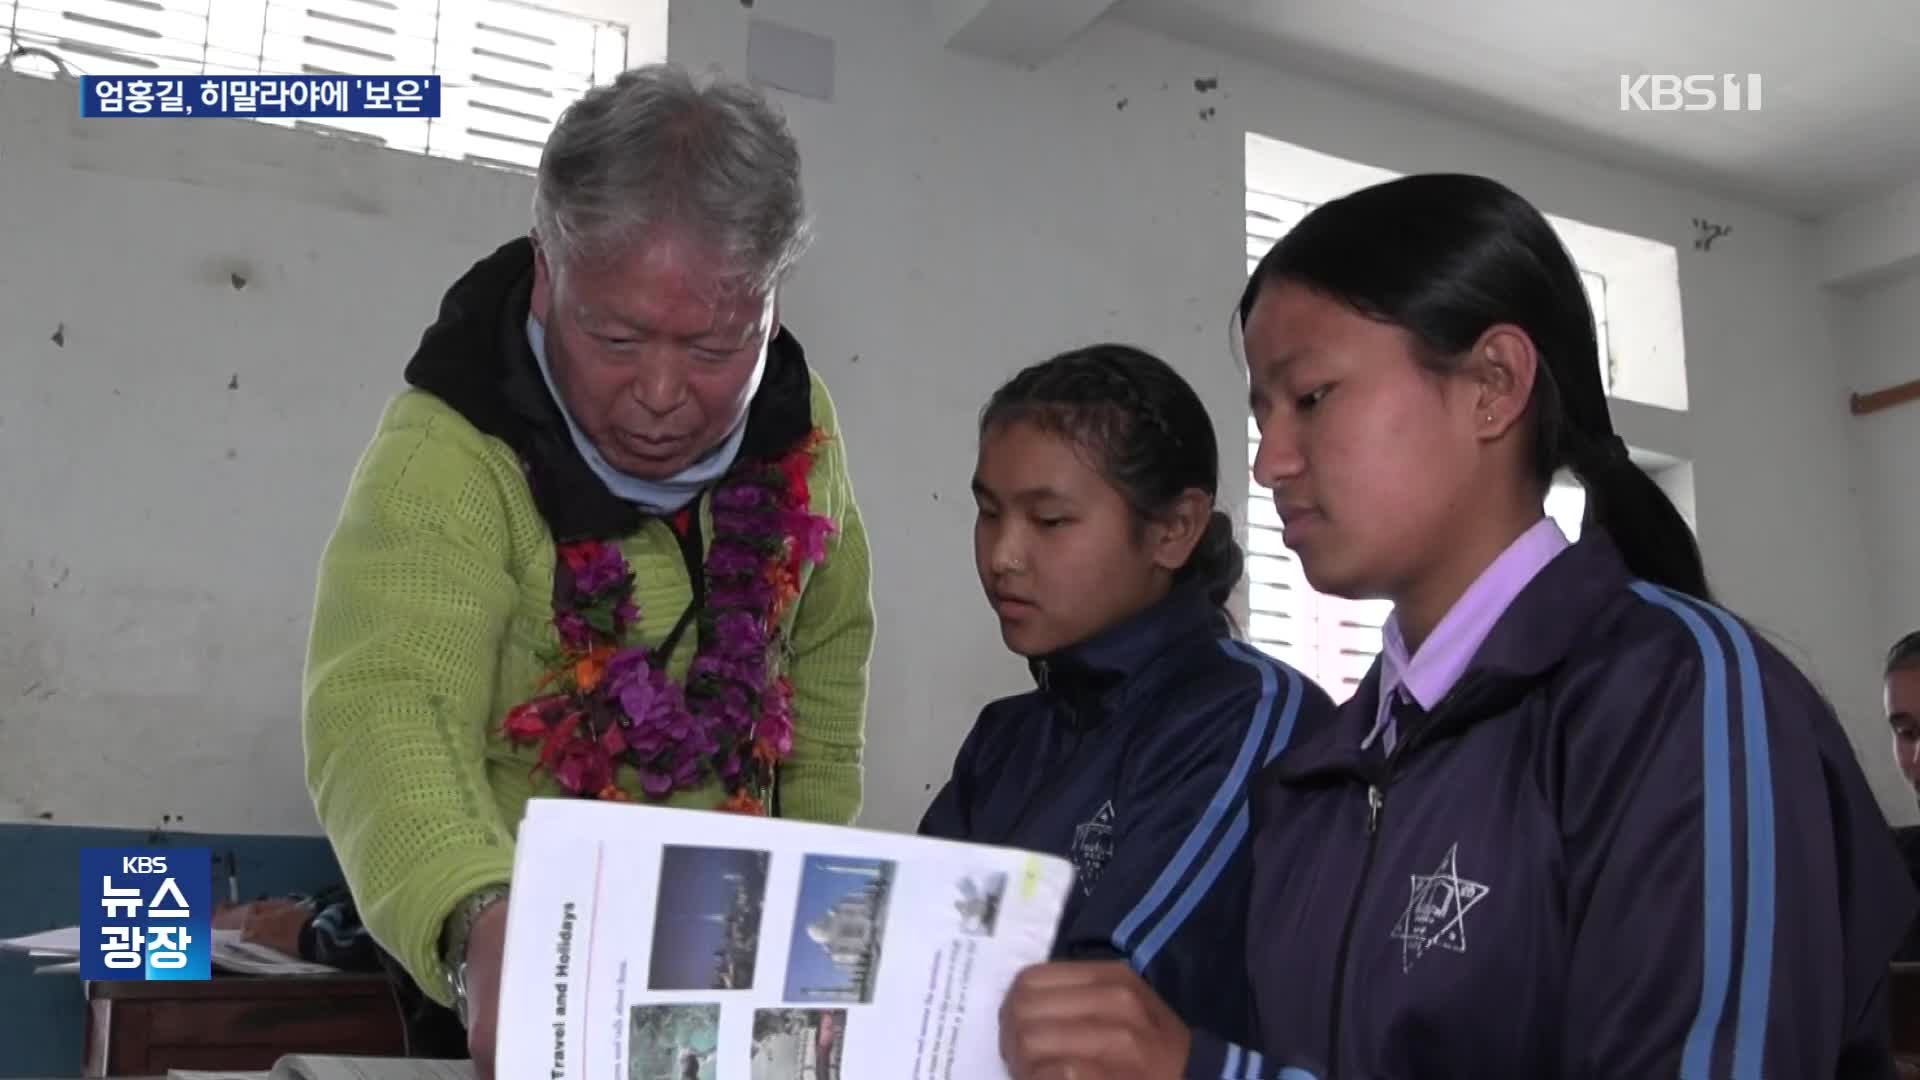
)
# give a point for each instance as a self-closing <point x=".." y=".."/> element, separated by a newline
<point x="1839" y="121"/>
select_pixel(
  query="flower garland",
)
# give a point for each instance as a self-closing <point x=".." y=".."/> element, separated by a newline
<point x="613" y="705"/>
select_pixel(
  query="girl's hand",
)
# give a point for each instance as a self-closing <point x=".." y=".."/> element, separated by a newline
<point x="1089" y="1021"/>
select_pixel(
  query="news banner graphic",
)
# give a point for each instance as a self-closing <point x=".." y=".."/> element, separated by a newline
<point x="146" y="914"/>
<point x="398" y="96"/>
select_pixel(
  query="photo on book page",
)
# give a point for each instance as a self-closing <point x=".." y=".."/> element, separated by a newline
<point x="839" y="927"/>
<point x="979" y="902"/>
<point x="673" y="1042"/>
<point x="706" y="923"/>
<point x="650" y="943"/>
<point x="798" y="1044"/>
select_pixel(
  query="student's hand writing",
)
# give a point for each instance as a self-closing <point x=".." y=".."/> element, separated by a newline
<point x="273" y="923"/>
<point x="486" y="945"/>
<point x="1089" y="1021"/>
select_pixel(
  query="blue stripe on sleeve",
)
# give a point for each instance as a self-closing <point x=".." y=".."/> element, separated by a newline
<point x="1756" y="955"/>
<point x="1219" y="816"/>
<point x="1195" y="891"/>
<point x="1252" y="1065"/>
<point x="1295" y="692"/>
<point x="1716" y="767"/>
<point x="1223" y="853"/>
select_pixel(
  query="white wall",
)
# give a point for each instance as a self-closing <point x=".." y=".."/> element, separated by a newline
<point x="1877" y="331"/>
<point x="157" y="545"/>
<point x="173" y="470"/>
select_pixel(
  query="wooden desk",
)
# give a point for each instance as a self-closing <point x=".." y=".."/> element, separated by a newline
<point x="146" y="1028"/>
<point x="1903" y="994"/>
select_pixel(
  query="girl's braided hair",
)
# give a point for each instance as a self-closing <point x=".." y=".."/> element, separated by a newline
<point x="1143" y="428"/>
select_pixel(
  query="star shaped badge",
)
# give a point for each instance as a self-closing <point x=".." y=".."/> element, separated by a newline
<point x="1436" y="915"/>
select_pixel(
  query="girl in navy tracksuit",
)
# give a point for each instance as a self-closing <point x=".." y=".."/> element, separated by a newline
<point x="1098" y="545"/>
<point x="1578" y="821"/>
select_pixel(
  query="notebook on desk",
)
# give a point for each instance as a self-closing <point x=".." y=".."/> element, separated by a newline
<point x="231" y="953"/>
<point x="306" y="1067"/>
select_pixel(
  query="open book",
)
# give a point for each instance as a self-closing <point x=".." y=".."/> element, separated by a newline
<point x="304" y="1067"/>
<point x="656" y="944"/>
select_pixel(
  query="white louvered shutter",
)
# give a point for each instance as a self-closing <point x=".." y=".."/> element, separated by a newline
<point x="1330" y="640"/>
<point x="507" y="69"/>
<point x="112" y="37"/>
<point x="353" y="37"/>
<point x="515" y="67"/>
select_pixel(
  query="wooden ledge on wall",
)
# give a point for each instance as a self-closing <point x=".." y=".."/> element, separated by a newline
<point x="1862" y="404"/>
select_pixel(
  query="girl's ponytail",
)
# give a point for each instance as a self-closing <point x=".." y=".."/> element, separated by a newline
<point x="1643" y="523"/>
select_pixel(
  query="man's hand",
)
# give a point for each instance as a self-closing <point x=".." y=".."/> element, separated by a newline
<point x="1090" y="1021"/>
<point x="486" y="946"/>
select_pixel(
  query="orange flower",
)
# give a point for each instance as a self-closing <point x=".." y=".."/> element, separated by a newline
<point x="786" y="588"/>
<point x="590" y="669"/>
<point x="763" y="751"/>
<point x="743" y="803"/>
<point x="613" y="794"/>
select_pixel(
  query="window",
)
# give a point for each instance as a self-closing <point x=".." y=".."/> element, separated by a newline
<point x="1331" y="640"/>
<point x="507" y="68"/>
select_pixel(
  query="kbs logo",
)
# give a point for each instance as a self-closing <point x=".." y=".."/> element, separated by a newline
<point x="1689" y="93"/>
<point x="145" y="913"/>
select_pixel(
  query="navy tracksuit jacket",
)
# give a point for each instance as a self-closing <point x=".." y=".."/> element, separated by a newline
<point x="1632" y="842"/>
<point x="1133" y="759"/>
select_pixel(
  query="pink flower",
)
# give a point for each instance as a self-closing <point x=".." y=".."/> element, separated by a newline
<point x="748" y="526"/>
<point x="607" y="569"/>
<point x="656" y="784"/>
<point x="809" y="532"/>
<point x="776" y="716"/>
<point x="528" y="722"/>
<point x="739" y="634"/>
<point x="729" y="558"/>
<point x="727" y="722"/>
<point x="613" y="741"/>
<point x="594" y="566"/>
<point x="644" y="692"/>
<point x="660" y="781"/>
<point x="748" y="670"/>
<point x="746" y="594"/>
<point x="575" y="634"/>
<point x="582" y="767"/>
<point x="741" y="497"/>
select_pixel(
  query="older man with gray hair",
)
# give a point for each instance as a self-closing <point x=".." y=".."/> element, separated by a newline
<point x="605" y="544"/>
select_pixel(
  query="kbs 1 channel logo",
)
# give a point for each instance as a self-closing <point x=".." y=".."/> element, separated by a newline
<point x="146" y="914"/>
<point x="1689" y="93"/>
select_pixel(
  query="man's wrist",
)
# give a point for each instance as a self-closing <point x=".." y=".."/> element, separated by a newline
<point x="457" y="933"/>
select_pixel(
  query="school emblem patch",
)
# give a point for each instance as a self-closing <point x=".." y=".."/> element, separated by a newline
<point x="1093" y="847"/>
<point x="1436" y="915"/>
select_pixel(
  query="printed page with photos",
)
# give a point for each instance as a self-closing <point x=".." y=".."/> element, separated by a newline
<point x="646" y="943"/>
